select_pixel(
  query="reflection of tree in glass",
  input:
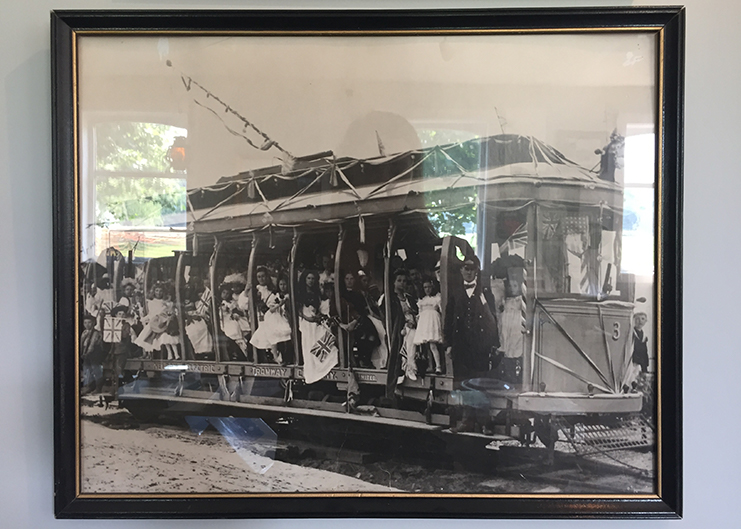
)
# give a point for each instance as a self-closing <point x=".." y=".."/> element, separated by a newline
<point x="130" y="147"/>
<point x="138" y="201"/>
<point x="451" y="210"/>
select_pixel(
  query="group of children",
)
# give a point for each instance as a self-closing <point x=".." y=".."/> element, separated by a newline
<point x="137" y="327"/>
<point x="272" y="317"/>
<point x="271" y="340"/>
<point x="359" y="316"/>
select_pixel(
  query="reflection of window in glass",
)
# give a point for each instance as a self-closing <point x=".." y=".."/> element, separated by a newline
<point x="638" y="205"/>
<point x="140" y="187"/>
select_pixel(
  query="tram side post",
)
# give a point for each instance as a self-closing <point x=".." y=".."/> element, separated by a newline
<point x="338" y="297"/>
<point x="216" y="318"/>
<point x="391" y="380"/>
<point x="179" y="272"/>
<point x="297" y="353"/>
<point x="251" y="264"/>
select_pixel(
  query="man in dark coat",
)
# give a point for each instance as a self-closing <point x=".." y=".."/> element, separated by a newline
<point x="91" y="351"/>
<point x="470" y="329"/>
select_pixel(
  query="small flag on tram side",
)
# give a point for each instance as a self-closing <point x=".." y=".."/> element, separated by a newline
<point x="322" y="357"/>
<point x="112" y="329"/>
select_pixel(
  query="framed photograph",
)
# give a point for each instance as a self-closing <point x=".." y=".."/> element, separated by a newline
<point x="368" y="263"/>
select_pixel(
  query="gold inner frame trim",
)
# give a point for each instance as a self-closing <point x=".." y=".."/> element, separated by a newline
<point x="360" y="33"/>
<point x="166" y="495"/>
<point x="76" y="194"/>
<point x="658" y="258"/>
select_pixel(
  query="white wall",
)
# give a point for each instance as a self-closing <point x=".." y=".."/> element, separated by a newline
<point x="713" y="219"/>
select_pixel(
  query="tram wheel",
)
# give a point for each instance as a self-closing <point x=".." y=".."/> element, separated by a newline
<point x="545" y="432"/>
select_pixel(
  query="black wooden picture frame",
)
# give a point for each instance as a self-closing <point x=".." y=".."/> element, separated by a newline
<point x="68" y="28"/>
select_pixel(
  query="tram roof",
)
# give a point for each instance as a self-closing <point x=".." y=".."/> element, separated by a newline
<point x="515" y="169"/>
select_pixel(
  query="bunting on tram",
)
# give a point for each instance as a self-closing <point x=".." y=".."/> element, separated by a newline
<point x="322" y="188"/>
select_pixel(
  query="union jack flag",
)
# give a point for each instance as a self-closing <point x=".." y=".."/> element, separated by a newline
<point x="112" y="329"/>
<point x="324" y="346"/>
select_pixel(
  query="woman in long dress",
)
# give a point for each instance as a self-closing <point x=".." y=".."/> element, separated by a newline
<point x="318" y="361"/>
<point x="403" y="326"/>
<point x="363" y="338"/>
<point x="379" y="353"/>
<point x="310" y="317"/>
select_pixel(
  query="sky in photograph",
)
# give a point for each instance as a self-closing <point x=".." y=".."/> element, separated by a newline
<point x="314" y="94"/>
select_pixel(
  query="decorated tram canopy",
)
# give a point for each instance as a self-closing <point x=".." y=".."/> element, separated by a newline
<point x="512" y="169"/>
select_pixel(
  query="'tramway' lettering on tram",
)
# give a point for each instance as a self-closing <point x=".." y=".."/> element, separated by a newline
<point x="270" y="372"/>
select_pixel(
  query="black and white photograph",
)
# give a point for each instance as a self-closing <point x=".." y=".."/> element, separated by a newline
<point x="379" y="265"/>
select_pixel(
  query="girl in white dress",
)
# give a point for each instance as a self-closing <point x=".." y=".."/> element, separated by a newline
<point x="274" y="328"/>
<point x="429" y="324"/>
<point x="160" y="312"/>
<point x="229" y="318"/>
<point x="197" y="317"/>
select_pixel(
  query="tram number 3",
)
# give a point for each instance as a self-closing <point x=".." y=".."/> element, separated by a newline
<point x="616" y="331"/>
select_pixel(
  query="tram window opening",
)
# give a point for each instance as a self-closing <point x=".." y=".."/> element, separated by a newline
<point x="577" y="252"/>
<point x="196" y="307"/>
<point x="271" y="337"/>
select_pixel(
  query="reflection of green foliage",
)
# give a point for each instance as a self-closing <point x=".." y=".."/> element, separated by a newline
<point x="462" y="210"/>
<point x="430" y="137"/>
<point x="129" y="146"/>
<point x="144" y="200"/>
<point x="136" y="147"/>
<point x="453" y="208"/>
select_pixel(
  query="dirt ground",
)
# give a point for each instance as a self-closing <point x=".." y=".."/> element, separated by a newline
<point x="118" y="457"/>
<point x="121" y="455"/>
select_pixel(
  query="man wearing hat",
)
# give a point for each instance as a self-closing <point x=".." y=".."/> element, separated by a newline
<point x="470" y="329"/>
<point x="471" y="333"/>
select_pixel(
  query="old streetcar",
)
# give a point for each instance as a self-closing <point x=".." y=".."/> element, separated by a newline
<point x="546" y="231"/>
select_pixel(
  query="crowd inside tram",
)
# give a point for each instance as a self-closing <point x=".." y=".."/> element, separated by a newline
<point x="322" y="312"/>
<point x="232" y="317"/>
